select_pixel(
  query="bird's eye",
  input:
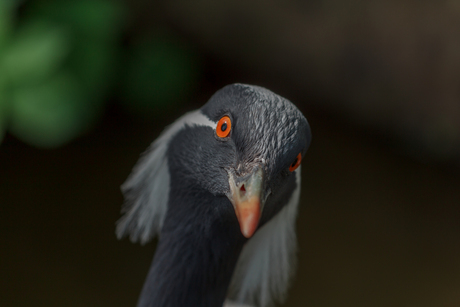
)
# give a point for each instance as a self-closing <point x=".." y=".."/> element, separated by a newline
<point x="223" y="127"/>
<point x="296" y="163"/>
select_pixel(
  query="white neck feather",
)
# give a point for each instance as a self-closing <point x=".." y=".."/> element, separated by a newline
<point x="145" y="206"/>
<point x="268" y="260"/>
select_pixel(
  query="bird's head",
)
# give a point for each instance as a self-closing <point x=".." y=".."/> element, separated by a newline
<point x="248" y="152"/>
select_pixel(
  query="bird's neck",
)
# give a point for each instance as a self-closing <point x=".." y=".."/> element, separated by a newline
<point x="197" y="252"/>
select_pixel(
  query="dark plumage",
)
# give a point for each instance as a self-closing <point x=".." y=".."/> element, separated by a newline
<point x="220" y="189"/>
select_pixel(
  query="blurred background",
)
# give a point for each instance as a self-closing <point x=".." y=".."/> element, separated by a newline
<point x="87" y="85"/>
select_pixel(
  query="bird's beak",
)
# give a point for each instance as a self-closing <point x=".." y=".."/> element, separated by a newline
<point x="246" y="199"/>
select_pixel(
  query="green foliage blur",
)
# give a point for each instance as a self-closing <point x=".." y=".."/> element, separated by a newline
<point x="62" y="61"/>
<point x="161" y="71"/>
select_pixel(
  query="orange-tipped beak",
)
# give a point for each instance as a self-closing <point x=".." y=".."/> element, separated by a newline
<point x="246" y="200"/>
<point x="248" y="214"/>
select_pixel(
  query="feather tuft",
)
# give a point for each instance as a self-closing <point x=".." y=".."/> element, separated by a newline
<point x="268" y="260"/>
<point x="146" y="190"/>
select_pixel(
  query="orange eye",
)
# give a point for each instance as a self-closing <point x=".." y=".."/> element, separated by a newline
<point x="296" y="163"/>
<point x="223" y="127"/>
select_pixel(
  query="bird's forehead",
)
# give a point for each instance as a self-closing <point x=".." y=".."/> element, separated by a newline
<point x="266" y="126"/>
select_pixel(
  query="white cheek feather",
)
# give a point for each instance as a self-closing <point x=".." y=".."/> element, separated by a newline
<point x="268" y="260"/>
<point x="147" y="188"/>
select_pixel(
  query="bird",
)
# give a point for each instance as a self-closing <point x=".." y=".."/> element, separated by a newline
<point x="220" y="188"/>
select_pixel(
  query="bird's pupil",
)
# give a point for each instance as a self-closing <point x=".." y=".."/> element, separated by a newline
<point x="223" y="127"/>
<point x="294" y="163"/>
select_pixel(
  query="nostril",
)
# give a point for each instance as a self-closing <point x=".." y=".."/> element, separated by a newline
<point x="242" y="188"/>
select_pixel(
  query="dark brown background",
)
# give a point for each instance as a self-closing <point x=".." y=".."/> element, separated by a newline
<point x="379" y="221"/>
